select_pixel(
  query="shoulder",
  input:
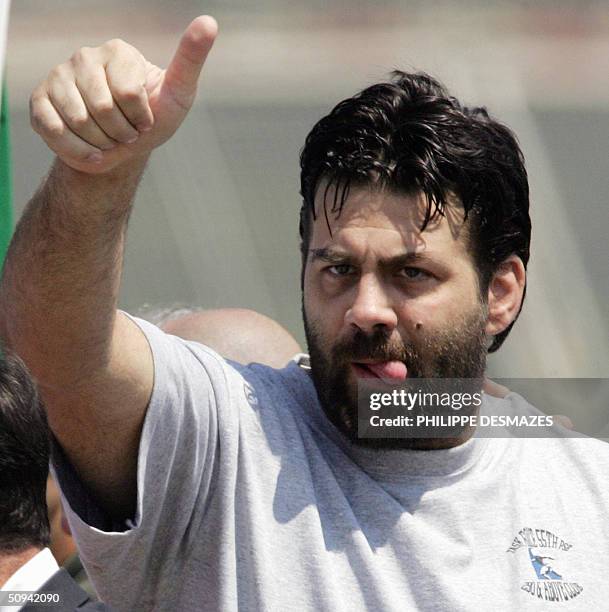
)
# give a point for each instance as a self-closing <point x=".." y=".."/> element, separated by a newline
<point x="589" y="453"/>
<point x="561" y="442"/>
<point x="188" y="373"/>
<point x="575" y="452"/>
<point x="263" y="385"/>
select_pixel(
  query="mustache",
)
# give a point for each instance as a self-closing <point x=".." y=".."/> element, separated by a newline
<point x="378" y="346"/>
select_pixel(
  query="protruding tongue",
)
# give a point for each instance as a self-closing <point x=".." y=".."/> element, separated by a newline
<point x="389" y="370"/>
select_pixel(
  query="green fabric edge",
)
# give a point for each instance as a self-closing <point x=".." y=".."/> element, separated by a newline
<point x="6" y="183"/>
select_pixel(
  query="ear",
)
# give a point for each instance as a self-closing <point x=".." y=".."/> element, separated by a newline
<point x="505" y="293"/>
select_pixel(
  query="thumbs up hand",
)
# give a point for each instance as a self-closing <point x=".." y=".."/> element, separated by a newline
<point x="109" y="105"/>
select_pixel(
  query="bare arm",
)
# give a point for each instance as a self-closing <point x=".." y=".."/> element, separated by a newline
<point x="62" y="275"/>
<point x="59" y="297"/>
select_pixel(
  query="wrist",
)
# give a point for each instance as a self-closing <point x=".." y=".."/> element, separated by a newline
<point x="76" y="195"/>
<point x="133" y="167"/>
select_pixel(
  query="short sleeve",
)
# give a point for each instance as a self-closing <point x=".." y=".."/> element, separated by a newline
<point x="179" y="448"/>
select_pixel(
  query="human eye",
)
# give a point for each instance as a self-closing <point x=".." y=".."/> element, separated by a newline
<point x="340" y="269"/>
<point x="415" y="274"/>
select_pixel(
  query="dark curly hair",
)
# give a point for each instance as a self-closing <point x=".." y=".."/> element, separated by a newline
<point x="410" y="135"/>
<point x="24" y="459"/>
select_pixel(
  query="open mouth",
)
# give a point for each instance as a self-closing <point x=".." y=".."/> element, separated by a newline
<point x="388" y="371"/>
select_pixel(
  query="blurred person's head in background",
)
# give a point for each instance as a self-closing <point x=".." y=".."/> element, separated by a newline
<point x="24" y="466"/>
<point x="238" y="334"/>
<point x="415" y="236"/>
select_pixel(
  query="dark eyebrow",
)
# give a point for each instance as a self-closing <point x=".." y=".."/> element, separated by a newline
<point x="330" y="255"/>
<point x="406" y="259"/>
<point x="334" y="256"/>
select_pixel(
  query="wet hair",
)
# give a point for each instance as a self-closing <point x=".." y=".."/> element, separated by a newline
<point x="409" y="136"/>
<point x="24" y="460"/>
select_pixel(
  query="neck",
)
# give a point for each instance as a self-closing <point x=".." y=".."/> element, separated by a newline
<point x="10" y="562"/>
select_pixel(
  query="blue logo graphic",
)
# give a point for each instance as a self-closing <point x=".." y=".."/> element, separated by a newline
<point x="543" y="567"/>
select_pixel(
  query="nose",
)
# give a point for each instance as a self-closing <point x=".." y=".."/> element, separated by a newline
<point x="372" y="309"/>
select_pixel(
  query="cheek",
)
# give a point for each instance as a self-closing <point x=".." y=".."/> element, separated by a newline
<point x="323" y="320"/>
<point x="317" y="313"/>
<point x="414" y="319"/>
<point x="325" y="311"/>
<point x="434" y="311"/>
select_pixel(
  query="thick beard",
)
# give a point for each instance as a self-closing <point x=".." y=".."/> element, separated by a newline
<point x="458" y="352"/>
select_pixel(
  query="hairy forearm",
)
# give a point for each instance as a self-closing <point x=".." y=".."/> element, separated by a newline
<point x="62" y="274"/>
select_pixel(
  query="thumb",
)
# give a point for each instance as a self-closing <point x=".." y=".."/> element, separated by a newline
<point x="182" y="74"/>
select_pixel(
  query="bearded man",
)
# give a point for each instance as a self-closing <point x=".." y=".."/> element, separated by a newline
<point x="193" y="483"/>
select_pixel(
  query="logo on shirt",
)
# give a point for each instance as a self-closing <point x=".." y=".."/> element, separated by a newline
<point x="546" y="553"/>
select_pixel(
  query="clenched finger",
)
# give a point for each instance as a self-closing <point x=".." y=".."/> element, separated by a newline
<point x="97" y="96"/>
<point x="47" y="122"/>
<point x="126" y="78"/>
<point x="68" y="101"/>
<point x="495" y="389"/>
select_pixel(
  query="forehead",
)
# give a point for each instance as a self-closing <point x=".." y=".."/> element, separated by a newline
<point x="386" y="220"/>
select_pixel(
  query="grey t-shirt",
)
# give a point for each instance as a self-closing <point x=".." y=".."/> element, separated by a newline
<point x="249" y="499"/>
